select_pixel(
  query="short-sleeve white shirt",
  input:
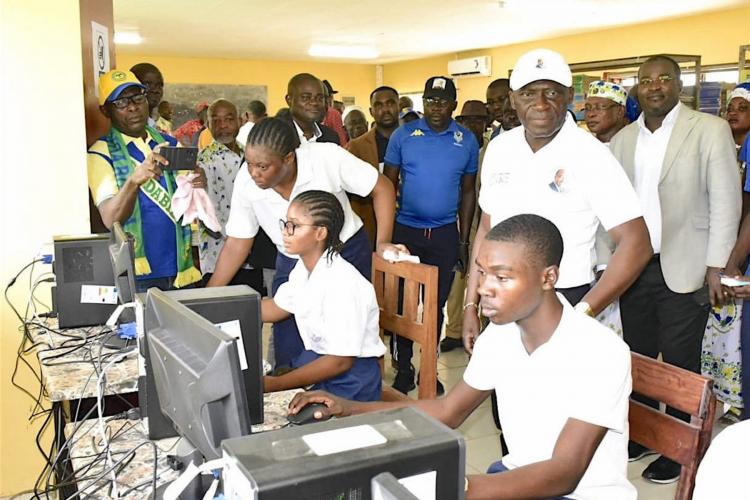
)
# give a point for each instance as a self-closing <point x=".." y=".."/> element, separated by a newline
<point x="335" y="308"/>
<point x="322" y="166"/>
<point x="581" y="372"/>
<point x="574" y="181"/>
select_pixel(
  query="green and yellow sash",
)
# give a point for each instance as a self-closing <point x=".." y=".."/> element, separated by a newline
<point x="123" y="166"/>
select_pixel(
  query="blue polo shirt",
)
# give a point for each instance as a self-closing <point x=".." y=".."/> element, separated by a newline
<point x="431" y="165"/>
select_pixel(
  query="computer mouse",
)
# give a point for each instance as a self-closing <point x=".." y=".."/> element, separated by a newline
<point x="307" y="415"/>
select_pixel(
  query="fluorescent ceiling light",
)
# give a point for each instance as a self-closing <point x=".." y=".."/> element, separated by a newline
<point x="127" y="38"/>
<point x="343" y="51"/>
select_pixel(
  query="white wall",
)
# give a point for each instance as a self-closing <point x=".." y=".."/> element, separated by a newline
<point x="42" y="184"/>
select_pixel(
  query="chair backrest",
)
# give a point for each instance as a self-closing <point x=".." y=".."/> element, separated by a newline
<point x="683" y="442"/>
<point x="405" y="320"/>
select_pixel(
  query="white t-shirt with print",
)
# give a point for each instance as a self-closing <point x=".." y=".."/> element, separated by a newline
<point x="581" y="372"/>
<point x="574" y="181"/>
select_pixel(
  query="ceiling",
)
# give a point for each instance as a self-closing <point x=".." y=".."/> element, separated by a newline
<point x="408" y="29"/>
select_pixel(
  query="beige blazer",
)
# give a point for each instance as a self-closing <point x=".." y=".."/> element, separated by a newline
<point x="700" y="195"/>
<point x="365" y="148"/>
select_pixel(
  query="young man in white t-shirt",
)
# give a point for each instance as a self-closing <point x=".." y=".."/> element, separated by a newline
<point x="538" y="350"/>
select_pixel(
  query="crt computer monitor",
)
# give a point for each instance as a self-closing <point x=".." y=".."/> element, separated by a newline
<point x="197" y="374"/>
<point x="337" y="459"/>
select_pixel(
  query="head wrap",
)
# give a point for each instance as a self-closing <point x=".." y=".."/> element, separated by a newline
<point x="608" y="90"/>
<point x="741" y="90"/>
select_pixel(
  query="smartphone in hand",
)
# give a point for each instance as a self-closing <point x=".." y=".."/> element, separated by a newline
<point x="179" y="158"/>
<point x="733" y="282"/>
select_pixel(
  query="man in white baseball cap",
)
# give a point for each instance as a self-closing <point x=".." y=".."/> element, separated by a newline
<point x="550" y="167"/>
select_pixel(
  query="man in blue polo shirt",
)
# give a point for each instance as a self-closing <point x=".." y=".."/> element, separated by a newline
<point x="433" y="164"/>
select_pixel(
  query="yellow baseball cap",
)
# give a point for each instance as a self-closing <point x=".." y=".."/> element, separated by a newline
<point x="112" y="83"/>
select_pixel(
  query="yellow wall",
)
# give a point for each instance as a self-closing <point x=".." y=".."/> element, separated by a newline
<point x="714" y="36"/>
<point x="356" y="80"/>
<point x="42" y="186"/>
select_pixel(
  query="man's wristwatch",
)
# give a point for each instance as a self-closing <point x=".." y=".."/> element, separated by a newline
<point x="585" y="308"/>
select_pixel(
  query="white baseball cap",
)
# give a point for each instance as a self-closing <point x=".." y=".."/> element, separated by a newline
<point x="540" y="64"/>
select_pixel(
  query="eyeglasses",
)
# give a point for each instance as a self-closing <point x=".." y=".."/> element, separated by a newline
<point x="437" y="102"/>
<point x="659" y="79"/>
<point x="124" y="102"/>
<point x="598" y="107"/>
<point x="289" y="226"/>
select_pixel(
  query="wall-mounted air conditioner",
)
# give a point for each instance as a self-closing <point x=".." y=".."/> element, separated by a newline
<point x="473" y="66"/>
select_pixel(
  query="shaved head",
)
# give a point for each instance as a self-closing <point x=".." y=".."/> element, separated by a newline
<point x="299" y="79"/>
<point x="222" y="103"/>
<point x="499" y="83"/>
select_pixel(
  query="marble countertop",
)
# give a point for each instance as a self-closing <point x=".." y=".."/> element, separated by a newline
<point x="125" y="435"/>
<point x="70" y="361"/>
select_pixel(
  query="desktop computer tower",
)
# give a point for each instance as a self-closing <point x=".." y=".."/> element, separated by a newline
<point x="237" y="309"/>
<point x="85" y="293"/>
<point x="337" y="459"/>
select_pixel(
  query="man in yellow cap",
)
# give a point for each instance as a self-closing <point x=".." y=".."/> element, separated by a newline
<point x="129" y="186"/>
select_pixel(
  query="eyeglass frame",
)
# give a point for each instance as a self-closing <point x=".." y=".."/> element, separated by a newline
<point x="598" y="107"/>
<point x="129" y="100"/>
<point x="437" y="102"/>
<point x="284" y="225"/>
<point x="662" y="79"/>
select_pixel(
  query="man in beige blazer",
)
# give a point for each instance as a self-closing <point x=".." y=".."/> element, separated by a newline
<point x="371" y="146"/>
<point x="682" y="164"/>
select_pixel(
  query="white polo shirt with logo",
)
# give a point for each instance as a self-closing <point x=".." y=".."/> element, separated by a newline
<point x="574" y="181"/>
<point x="320" y="166"/>
<point x="581" y="372"/>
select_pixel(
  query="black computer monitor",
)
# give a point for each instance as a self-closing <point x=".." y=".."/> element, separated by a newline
<point x="122" y="255"/>
<point x="197" y="374"/>
<point x="236" y="310"/>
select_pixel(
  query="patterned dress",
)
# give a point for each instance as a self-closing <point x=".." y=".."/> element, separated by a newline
<point x="721" y="356"/>
<point x="221" y="165"/>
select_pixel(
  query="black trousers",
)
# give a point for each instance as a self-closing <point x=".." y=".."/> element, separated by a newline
<point x="437" y="247"/>
<point x="657" y="320"/>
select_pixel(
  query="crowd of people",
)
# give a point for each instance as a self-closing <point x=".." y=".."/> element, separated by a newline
<point x="537" y="226"/>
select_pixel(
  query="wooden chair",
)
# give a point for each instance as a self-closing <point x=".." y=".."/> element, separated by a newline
<point x="683" y="442"/>
<point x="422" y="330"/>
